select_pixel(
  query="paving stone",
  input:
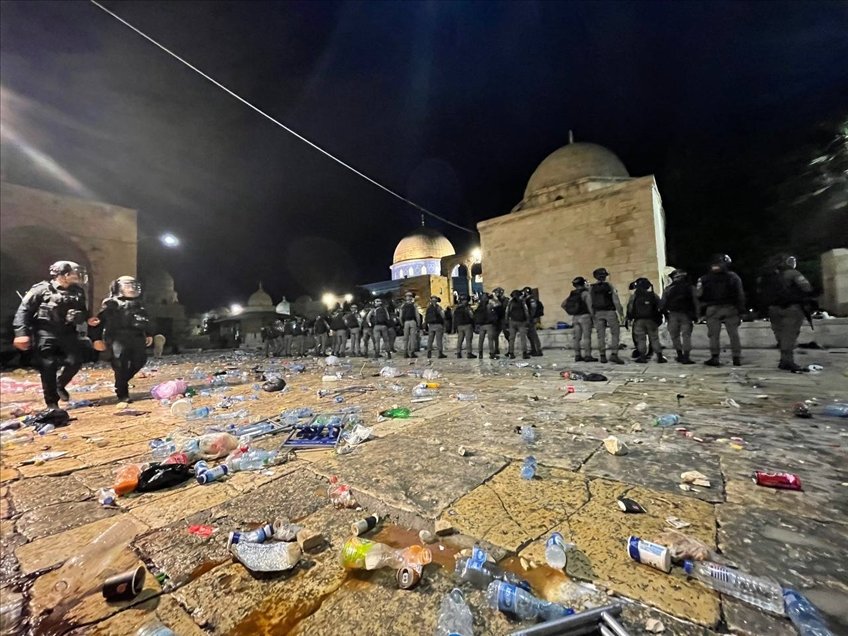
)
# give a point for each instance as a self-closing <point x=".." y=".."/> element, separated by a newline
<point x="8" y="474"/>
<point x="60" y="466"/>
<point x="60" y="517"/>
<point x="36" y="492"/>
<point x="411" y="473"/>
<point x="43" y="553"/>
<point x="508" y="510"/>
<point x="163" y="608"/>
<point x="182" y="503"/>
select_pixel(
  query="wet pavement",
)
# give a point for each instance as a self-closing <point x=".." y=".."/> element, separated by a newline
<point x="733" y="421"/>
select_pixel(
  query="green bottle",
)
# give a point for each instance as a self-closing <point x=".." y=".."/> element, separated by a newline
<point x="400" y="412"/>
<point x="354" y="552"/>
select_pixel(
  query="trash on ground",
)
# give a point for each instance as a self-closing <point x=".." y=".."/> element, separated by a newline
<point x="365" y="524"/>
<point x="676" y="523"/>
<point x="761" y="592"/>
<point x="124" y="586"/>
<point x="782" y="481"/>
<point x="521" y="604"/>
<point x="275" y="556"/>
<point x="695" y="478"/>
<point x="202" y="531"/>
<point x="683" y="547"/>
<point x="653" y="554"/>
<point x="340" y="494"/>
<point x="630" y="506"/>
<point x="615" y="446"/>
<point x="654" y="626"/>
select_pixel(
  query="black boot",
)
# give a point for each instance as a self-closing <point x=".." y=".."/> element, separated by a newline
<point x="510" y="355"/>
<point x="614" y="358"/>
<point x="680" y="356"/>
<point x="661" y="358"/>
<point x="712" y="362"/>
<point x="471" y="356"/>
<point x="737" y="361"/>
<point x="62" y="392"/>
<point x="429" y="354"/>
<point x="578" y="358"/>
<point x="686" y="359"/>
<point x="442" y="355"/>
<point x="603" y="358"/>
<point x="642" y="360"/>
<point x="526" y="356"/>
<point x="589" y="358"/>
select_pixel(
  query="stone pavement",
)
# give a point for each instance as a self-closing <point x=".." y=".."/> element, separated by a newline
<point x="412" y="471"/>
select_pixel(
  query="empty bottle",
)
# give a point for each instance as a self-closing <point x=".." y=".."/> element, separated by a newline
<point x="466" y="397"/>
<point x="78" y="404"/>
<point x="835" y="410"/>
<point x="455" y="617"/>
<point x="384" y="556"/>
<point x="232" y="415"/>
<point x="521" y="604"/>
<point x="212" y="474"/>
<point x="47" y="428"/>
<point x="760" y="592"/>
<point x="161" y="448"/>
<point x="479" y="571"/>
<point x="256" y="459"/>
<point x="556" y="551"/>
<point x="198" y="413"/>
<point x="154" y="628"/>
<point x="106" y="496"/>
<point x="181" y="407"/>
<point x="397" y="413"/>
<point x="422" y="390"/>
<point x="670" y="419"/>
<point x="528" y="433"/>
<point x="528" y="470"/>
<point x="354" y="551"/>
<point x="253" y="431"/>
<point x="803" y="614"/>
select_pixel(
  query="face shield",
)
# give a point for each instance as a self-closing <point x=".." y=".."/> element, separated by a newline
<point x="129" y="288"/>
<point x="791" y="262"/>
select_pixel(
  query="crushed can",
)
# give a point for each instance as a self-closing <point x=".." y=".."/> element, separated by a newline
<point x="783" y="481"/>
<point x="408" y="577"/>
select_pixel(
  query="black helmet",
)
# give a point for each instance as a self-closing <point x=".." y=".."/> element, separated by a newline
<point x="720" y="259"/>
<point x="784" y="261"/>
<point x="435" y="299"/>
<point x="600" y="273"/>
<point x="678" y="274"/>
<point x="642" y="283"/>
<point x="498" y="290"/>
<point x="527" y="290"/>
<point x="579" y="281"/>
<point x="515" y="293"/>
<point x="63" y="268"/>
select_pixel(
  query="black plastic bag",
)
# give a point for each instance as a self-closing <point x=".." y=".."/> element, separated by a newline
<point x="160" y="476"/>
<point x="271" y="386"/>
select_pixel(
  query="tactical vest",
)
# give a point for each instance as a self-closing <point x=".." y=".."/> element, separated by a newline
<point x="408" y="312"/>
<point x="645" y="305"/>
<point x="678" y="297"/>
<point x="433" y="316"/>
<point x="351" y="321"/>
<point x="575" y="304"/>
<point x="381" y="316"/>
<point x="602" y="297"/>
<point x="517" y="310"/>
<point x="60" y="307"/>
<point x="129" y="314"/>
<point x="718" y="288"/>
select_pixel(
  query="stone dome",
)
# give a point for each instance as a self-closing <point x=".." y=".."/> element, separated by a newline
<point x="422" y="243"/>
<point x="260" y="298"/>
<point x="575" y="161"/>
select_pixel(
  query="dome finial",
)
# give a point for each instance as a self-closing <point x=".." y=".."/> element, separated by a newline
<point x="422" y="219"/>
<point x="570" y="136"/>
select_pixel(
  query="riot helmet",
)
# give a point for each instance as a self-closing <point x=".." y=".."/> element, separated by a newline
<point x="785" y="261"/>
<point x="126" y="287"/>
<point x="73" y="273"/>
<point x="498" y="291"/>
<point x="720" y="262"/>
<point x="642" y="283"/>
<point x="435" y="299"/>
<point x="579" y="281"/>
<point x="600" y="274"/>
<point x="678" y="274"/>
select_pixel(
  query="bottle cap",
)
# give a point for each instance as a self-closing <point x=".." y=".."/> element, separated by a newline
<point x="688" y="566"/>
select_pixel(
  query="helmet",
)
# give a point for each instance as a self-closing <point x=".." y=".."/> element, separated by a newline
<point x="435" y="299"/>
<point x="515" y="293"/>
<point x="63" y="268"/>
<point x="678" y="274"/>
<point x="498" y="290"/>
<point x="378" y="302"/>
<point x="579" y="281"/>
<point x="126" y="286"/>
<point x="720" y="259"/>
<point x="784" y="261"/>
<point x="600" y="273"/>
<point x="527" y="290"/>
<point x="642" y="283"/>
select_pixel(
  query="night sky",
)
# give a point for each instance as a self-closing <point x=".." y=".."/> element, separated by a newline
<point x="452" y="104"/>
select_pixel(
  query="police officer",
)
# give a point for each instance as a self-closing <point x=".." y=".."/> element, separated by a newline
<point x="367" y="329"/>
<point x="606" y="312"/>
<point x="288" y="337"/>
<point x="535" y="310"/>
<point x="337" y="324"/>
<point x="47" y="321"/>
<point x="578" y="305"/>
<point x="464" y="323"/>
<point x="722" y="298"/>
<point x="411" y="321"/>
<point x="680" y="305"/>
<point x="381" y="318"/>
<point x="784" y="290"/>
<point x="298" y="336"/>
<point x="125" y="327"/>
<point x="486" y="319"/>
<point x="434" y="318"/>
<point x="321" y="329"/>
<point x="351" y="319"/>
<point x="643" y="309"/>
<point x="500" y="327"/>
<point x="518" y="316"/>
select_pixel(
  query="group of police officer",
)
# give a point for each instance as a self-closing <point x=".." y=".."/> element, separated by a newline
<point x="53" y="321"/>
<point x="718" y="298"/>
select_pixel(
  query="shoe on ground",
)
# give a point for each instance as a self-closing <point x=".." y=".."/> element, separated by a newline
<point x="537" y="354"/>
<point x="493" y="356"/>
<point x="62" y="392"/>
<point x="52" y="405"/>
<point x="471" y="356"/>
<point x="511" y="356"/>
<point x="737" y="361"/>
<point x="442" y="355"/>
<point x="526" y="356"/>
<point x="686" y="359"/>
<point x="429" y="354"/>
<point x="661" y="358"/>
<point x="614" y="358"/>
<point x="578" y="358"/>
<point x="642" y="360"/>
<point x="124" y="398"/>
<point x="459" y="355"/>
<point x="713" y="362"/>
<point x="603" y="359"/>
<point x="589" y="359"/>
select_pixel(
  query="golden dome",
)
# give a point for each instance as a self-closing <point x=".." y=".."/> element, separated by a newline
<point x="422" y="243"/>
<point x="572" y="162"/>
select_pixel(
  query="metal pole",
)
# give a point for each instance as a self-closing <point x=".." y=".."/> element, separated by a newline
<point x="614" y="626"/>
<point x="569" y="624"/>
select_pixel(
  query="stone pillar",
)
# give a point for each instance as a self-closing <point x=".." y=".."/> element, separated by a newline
<point x="834" y="267"/>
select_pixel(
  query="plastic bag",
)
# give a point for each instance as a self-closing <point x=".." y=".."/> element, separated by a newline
<point x="169" y="389"/>
<point x="215" y="445"/>
<point x="683" y="547"/>
<point x="161" y="476"/>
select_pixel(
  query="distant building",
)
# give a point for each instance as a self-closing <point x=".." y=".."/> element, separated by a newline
<point x="581" y="210"/>
<point x="167" y="314"/>
<point x="242" y="326"/>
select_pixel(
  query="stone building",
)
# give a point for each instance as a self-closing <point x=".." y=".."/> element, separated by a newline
<point x="167" y="314"/>
<point x="38" y="228"/>
<point x="242" y="326"/>
<point x="581" y="210"/>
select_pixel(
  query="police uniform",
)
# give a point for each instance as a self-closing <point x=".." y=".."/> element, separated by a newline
<point x="501" y="325"/>
<point x="643" y="308"/>
<point x="486" y="318"/>
<point x="298" y="334"/>
<point x="679" y="303"/>
<point x="579" y="306"/>
<point x="124" y="327"/>
<point x="380" y="317"/>
<point x="367" y="332"/>
<point x="789" y="289"/>
<point x="411" y="320"/>
<point x="535" y="310"/>
<point x="518" y="317"/>
<point x="49" y="315"/>
<point x="288" y="337"/>
<point x="721" y="295"/>
<point x="351" y="319"/>
<point x="321" y="330"/>
<point x="606" y="313"/>
<point x="464" y="322"/>
<point x="337" y="324"/>
<point x="434" y="318"/>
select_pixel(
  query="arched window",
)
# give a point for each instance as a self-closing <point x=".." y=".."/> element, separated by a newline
<point x="455" y="272"/>
<point x="423" y="270"/>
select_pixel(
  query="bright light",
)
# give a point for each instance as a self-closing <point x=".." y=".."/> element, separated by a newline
<point x="169" y="240"/>
<point x="476" y="255"/>
<point x="348" y="297"/>
<point x="236" y="309"/>
<point x="329" y="300"/>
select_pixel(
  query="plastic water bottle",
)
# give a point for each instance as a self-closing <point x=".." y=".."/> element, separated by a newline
<point x="199" y="413"/>
<point x="254" y="430"/>
<point x="663" y="421"/>
<point x="804" y="615"/>
<point x="78" y="404"/>
<point x="522" y="604"/>
<point x="836" y="410"/>
<point x="232" y="415"/>
<point x="479" y="571"/>
<point x="528" y="470"/>
<point x="423" y="391"/>
<point x="256" y="459"/>
<point x="528" y="433"/>
<point x="760" y="592"/>
<point x="162" y="449"/>
<point x="455" y="617"/>
<point x="154" y="628"/>
<point x="556" y="551"/>
<point x="466" y="397"/>
<point x="47" y="428"/>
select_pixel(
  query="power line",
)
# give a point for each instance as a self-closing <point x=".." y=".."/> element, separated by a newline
<point x="278" y="123"/>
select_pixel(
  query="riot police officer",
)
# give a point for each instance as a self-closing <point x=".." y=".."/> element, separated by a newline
<point x="321" y="329"/>
<point x="643" y="308"/>
<point x="501" y="325"/>
<point x="288" y="336"/>
<point x="411" y="321"/>
<point x="337" y="324"/>
<point x="125" y="327"/>
<point x="486" y="319"/>
<point x="380" y="317"/>
<point x="579" y="306"/>
<point x="351" y="319"/>
<point x="785" y="290"/>
<point x="606" y="312"/>
<point x="518" y="316"/>
<point x="535" y="310"/>
<point x="680" y="305"/>
<point x="47" y="321"/>
<point x="434" y="318"/>
<point x="464" y="322"/>
<point x="722" y="297"/>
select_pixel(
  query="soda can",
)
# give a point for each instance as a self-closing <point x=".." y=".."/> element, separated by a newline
<point x="784" y="481"/>
<point x="260" y="535"/>
<point x="212" y="474"/>
<point x="408" y="576"/>
<point x="364" y="525"/>
<point x="653" y="554"/>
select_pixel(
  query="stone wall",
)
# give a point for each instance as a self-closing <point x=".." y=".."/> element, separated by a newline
<point x="38" y="228"/>
<point x="834" y="265"/>
<point x="620" y="227"/>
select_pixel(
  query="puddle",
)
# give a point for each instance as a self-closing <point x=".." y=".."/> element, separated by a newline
<point x="398" y="537"/>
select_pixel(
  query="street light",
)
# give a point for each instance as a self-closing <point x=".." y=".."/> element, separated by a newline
<point x="476" y="255"/>
<point x="169" y="240"/>
<point x="348" y="297"/>
<point x="329" y="300"/>
<point x="236" y="309"/>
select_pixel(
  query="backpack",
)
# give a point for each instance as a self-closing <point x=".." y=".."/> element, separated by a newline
<point x="481" y="314"/>
<point x="517" y="310"/>
<point x="774" y="289"/>
<point x="602" y="297"/>
<point x="645" y="305"/>
<point x="575" y="305"/>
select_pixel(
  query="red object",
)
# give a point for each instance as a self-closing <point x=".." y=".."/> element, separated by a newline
<point x="204" y="532"/>
<point x="569" y="388"/>
<point x="177" y="458"/>
<point x="784" y="481"/>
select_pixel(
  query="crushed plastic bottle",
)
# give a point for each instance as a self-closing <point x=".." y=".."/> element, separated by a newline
<point x="835" y="410"/>
<point x="275" y="556"/>
<point x="466" y="397"/>
<point x="521" y="604"/>
<point x="255" y="459"/>
<point x="528" y="433"/>
<point x="162" y="448"/>
<point x="78" y="404"/>
<point x="528" y="469"/>
<point x="382" y="556"/>
<point x="232" y="415"/>
<point x="664" y="421"/>
<point x="350" y="439"/>
<point x="803" y="614"/>
<point x="764" y="593"/>
<point x="47" y="428"/>
<point x="154" y="628"/>
<point x="390" y="372"/>
<point x="455" y="618"/>
<point x="340" y="494"/>
<point x="107" y="496"/>
<point x="479" y="571"/>
<point x="199" y="413"/>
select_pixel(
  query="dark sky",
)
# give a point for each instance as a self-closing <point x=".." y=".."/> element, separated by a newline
<point x="452" y="104"/>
